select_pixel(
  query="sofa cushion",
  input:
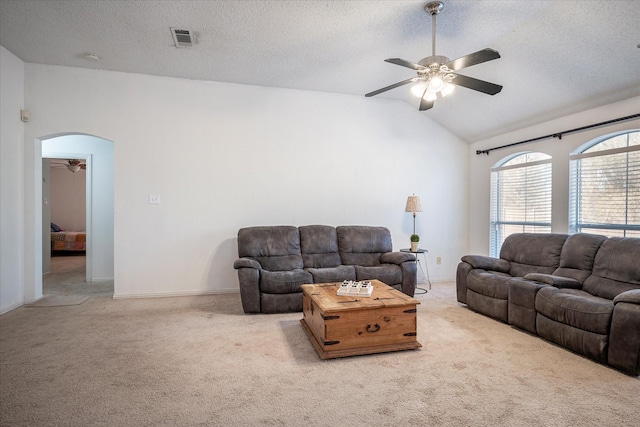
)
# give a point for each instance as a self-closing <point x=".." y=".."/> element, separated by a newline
<point x="575" y="308"/>
<point x="333" y="274"/>
<point x="619" y="259"/>
<point x="578" y="253"/>
<point x="363" y="245"/>
<point x="389" y="274"/>
<point x="319" y="246"/>
<point x="489" y="283"/>
<point x="276" y="248"/>
<point x="532" y="253"/>
<point x="616" y="268"/>
<point x="283" y="282"/>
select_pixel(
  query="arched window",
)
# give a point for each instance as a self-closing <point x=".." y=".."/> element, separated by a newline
<point x="605" y="186"/>
<point x="520" y="197"/>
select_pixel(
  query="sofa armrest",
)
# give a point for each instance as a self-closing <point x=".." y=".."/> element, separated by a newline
<point x="249" y="280"/>
<point x="632" y="296"/>
<point x="557" y="281"/>
<point x="487" y="263"/>
<point x="409" y="277"/>
<point x="462" y="273"/>
<point x="396" y="257"/>
<point x="246" y="263"/>
<point x="624" y="336"/>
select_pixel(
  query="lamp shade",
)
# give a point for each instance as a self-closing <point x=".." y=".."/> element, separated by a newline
<point x="413" y="204"/>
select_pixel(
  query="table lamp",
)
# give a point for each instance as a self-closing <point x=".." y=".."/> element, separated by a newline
<point x="413" y="206"/>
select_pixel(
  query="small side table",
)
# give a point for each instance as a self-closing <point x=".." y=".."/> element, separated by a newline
<point x="426" y="276"/>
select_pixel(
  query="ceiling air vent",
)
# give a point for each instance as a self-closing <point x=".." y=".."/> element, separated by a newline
<point x="182" y="37"/>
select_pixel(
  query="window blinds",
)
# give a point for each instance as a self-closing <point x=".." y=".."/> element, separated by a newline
<point x="520" y="201"/>
<point x="605" y="192"/>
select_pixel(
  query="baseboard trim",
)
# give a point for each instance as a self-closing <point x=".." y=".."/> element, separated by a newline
<point x="102" y="279"/>
<point x="170" y="294"/>
<point x="12" y="307"/>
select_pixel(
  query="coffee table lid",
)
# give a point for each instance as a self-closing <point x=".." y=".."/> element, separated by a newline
<point x="326" y="297"/>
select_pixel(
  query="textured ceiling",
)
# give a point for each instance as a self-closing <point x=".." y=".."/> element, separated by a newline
<point x="558" y="57"/>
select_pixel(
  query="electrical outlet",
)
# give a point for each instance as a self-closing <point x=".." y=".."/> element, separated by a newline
<point x="438" y="260"/>
<point x="154" y="199"/>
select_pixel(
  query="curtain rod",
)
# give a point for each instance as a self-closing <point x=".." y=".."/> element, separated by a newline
<point x="559" y="134"/>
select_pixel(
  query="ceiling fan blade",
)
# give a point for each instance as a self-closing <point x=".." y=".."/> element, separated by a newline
<point x="475" y="84"/>
<point x="478" y="57"/>
<point x="393" y="86"/>
<point x="425" y="105"/>
<point x="405" y="63"/>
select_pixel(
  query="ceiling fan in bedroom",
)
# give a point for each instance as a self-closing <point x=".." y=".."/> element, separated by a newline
<point x="437" y="75"/>
<point x="73" y="165"/>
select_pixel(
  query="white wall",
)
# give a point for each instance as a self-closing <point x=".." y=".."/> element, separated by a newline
<point x="11" y="181"/>
<point x="225" y="156"/>
<point x="558" y="149"/>
<point x="68" y="198"/>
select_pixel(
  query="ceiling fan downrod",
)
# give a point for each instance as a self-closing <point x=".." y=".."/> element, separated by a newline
<point x="433" y="8"/>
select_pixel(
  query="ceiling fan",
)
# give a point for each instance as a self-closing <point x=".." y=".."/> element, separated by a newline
<point x="73" y="165"/>
<point x="437" y="75"/>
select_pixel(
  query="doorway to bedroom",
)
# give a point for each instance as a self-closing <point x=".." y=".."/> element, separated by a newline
<point x="77" y="216"/>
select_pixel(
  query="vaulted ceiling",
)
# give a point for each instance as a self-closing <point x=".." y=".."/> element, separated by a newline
<point x="558" y="57"/>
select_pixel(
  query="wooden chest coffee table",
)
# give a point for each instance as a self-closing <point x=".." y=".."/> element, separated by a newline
<point x="340" y="326"/>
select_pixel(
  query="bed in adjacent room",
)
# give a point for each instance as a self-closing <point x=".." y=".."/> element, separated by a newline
<point x="62" y="240"/>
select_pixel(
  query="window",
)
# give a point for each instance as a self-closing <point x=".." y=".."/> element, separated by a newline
<point x="520" y="197"/>
<point x="605" y="187"/>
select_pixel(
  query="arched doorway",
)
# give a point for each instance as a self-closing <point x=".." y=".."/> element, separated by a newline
<point x="98" y="154"/>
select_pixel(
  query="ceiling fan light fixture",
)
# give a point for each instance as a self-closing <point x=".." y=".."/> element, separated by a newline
<point x="447" y="89"/>
<point x="430" y="95"/>
<point x="436" y="83"/>
<point x="418" y="89"/>
<point x="73" y="168"/>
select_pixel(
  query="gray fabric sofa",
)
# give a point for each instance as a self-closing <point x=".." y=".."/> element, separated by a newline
<point x="275" y="260"/>
<point x="580" y="291"/>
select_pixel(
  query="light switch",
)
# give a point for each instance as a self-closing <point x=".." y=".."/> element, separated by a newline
<point x="154" y="199"/>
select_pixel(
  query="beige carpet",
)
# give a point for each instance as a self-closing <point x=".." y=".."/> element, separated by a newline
<point x="198" y="361"/>
<point x="67" y="277"/>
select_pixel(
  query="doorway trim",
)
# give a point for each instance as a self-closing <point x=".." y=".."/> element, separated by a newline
<point x="33" y="275"/>
<point x="88" y="206"/>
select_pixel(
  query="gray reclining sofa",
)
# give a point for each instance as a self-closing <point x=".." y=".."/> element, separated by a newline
<point x="275" y="260"/>
<point x="580" y="291"/>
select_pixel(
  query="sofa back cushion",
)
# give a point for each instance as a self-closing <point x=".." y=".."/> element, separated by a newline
<point x="578" y="254"/>
<point x="319" y="246"/>
<point x="532" y="253"/>
<point x="363" y="245"/>
<point x="616" y="268"/>
<point x="276" y="248"/>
